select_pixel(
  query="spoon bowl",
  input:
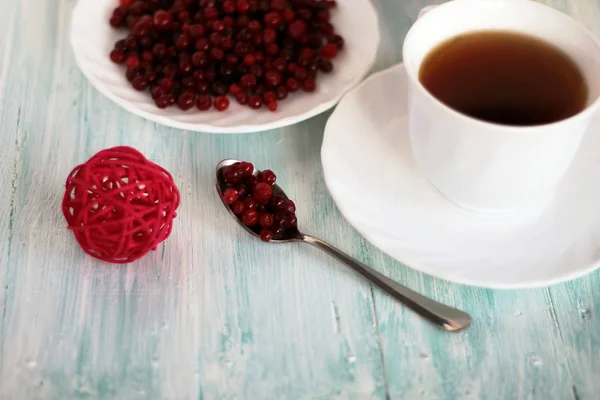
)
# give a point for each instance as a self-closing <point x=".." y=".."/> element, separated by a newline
<point x="448" y="318"/>
<point x="291" y="235"/>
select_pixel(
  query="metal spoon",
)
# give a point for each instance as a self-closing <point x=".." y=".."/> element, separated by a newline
<point x="450" y="319"/>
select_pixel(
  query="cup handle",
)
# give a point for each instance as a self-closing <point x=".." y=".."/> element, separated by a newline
<point x="426" y="10"/>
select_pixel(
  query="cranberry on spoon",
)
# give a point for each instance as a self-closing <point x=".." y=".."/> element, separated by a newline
<point x="262" y="208"/>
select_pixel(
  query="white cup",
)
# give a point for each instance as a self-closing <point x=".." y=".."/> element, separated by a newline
<point x="485" y="166"/>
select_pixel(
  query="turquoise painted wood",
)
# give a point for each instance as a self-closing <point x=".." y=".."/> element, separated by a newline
<point x="214" y="314"/>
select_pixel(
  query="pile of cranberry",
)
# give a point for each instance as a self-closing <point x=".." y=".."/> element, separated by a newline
<point x="251" y="197"/>
<point x="197" y="52"/>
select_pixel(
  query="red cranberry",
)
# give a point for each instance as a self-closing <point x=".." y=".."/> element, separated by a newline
<point x="292" y="85"/>
<point x="118" y="56"/>
<point x="202" y="88"/>
<point x="142" y="27"/>
<point x="242" y="190"/>
<point x="163" y="101"/>
<point x="278" y="220"/>
<point x="204" y="102"/>
<point x="272" y="106"/>
<point x="238" y="207"/>
<point x="243" y="6"/>
<point x="323" y="15"/>
<point x="251" y="181"/>
<point x="198" y="75"/>
<point x="221" y="103"/>
<point x="282" y="93"/>
<point x="227" y="43"/>
<point x="250" y="203"/>
<point x="326" y="66"/>
<point x="290" y="221"/>
<point x="337" y="40"/>
<point x="231" y="59"/>
<point x="250" y="218"/>
<point x="184" y="16"/>
<point x="248" y="81"/>
<point x="170" y="71"/>
<point x="116" y="21"/>
<point x="256" y="70"/>
<point x="262" y="192"/>
<point x="290" y="207"/>
<point x="278" y="5"/>
<point x="266" y="235"/>
<point x="182" y="42"/>
<point x="132" y="62"/>
<point x="241" y="98"/>
<point x="139" y="83"/>
<point x="301" y="73"/>
<point x="199" y="59"/>
<point x="211" y="13"/>
<point x="219" y="26"/>
<point x="131" y="73"/>
<point x="273" y="20"/>
<point x="273" y="78"/>
<point x="229" y="6"/>
<point x="268" y="177"/>
<point x="279" y="233"/>
<point x="185" y="67"/>
<point x="186" y="101"/>
<point x="309" y="85"/>
<point x="120" y="45"/>
<point x="247" y="169"/>
<point x="289" y="15"/>
<point x="278" y="201"/>
<point x="151" y="76"/>
<point x="234" y="89"/>
<point x="254" y="102"/>
<point x="266" y="220"/>
<point x="304" y="13"/>
<point x="147" y="56"/>
<point x="218" y="89"/>
<point x="230" y="196"/>
<point x="215" y="39"/>
<point x="297" y="29"/>
<point x="163" y="20"/>
<point x="197" y="31"/>
<point x="232" y="174"/>
<point x="292" y="67"/>
<point x="249" y="59"/>
<point x="202" y="44"/>
<point x="157" y="91"/>
<point x="269" y="35"/>
<point x="329" y="51"/>
<point x="269" y="97"/>
<point x="254" y="26"/>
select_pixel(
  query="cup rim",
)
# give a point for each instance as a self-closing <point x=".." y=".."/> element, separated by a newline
<point x="413" y="76"/>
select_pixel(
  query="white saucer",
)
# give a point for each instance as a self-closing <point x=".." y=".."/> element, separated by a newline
<point x="371" y="174"/>
<point x="92" y="39"/>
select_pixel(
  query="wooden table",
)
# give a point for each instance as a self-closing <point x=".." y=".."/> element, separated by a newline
<point x="214" y="314"/>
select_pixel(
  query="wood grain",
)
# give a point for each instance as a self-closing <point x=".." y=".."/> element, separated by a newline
<point x="213" y="314"/>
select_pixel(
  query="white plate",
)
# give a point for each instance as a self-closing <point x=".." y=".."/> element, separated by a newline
<point x="372" y="176"/>
<point x="92" y="39"/>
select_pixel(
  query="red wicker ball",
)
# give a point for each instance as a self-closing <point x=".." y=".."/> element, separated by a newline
<point x="119" y="205"/>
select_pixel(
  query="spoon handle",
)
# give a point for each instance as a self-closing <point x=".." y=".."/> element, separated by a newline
<point x="450" y="319"/>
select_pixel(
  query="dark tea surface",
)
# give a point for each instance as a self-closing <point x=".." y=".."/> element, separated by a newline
<point x="505" y="77"/>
